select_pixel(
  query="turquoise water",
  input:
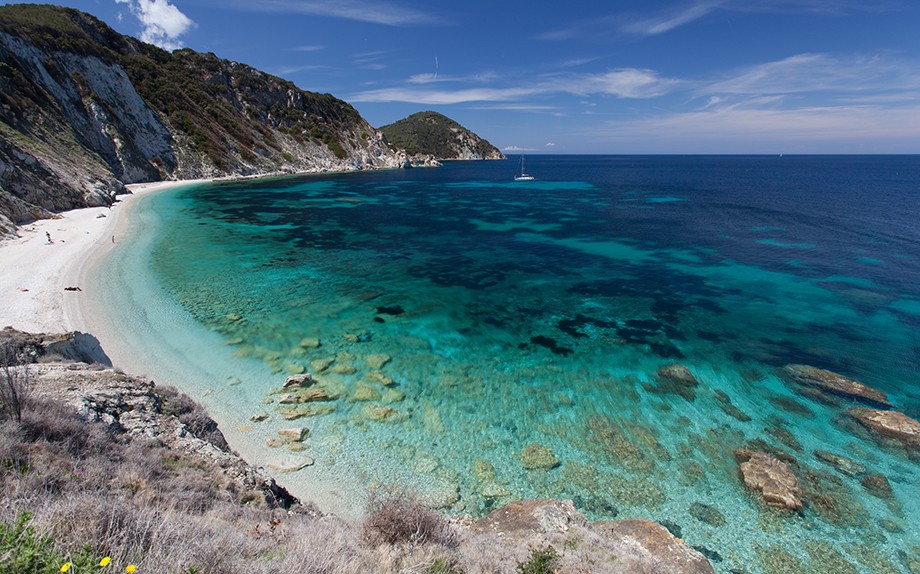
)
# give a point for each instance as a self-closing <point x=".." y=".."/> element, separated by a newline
<point x="517" y="313"/>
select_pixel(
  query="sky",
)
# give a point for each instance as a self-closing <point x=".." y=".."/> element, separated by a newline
<point x="618" y="76"/>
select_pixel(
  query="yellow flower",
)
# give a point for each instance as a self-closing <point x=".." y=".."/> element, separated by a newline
<point x="130" y="568"/>
<point x="105" y="561"/>
<point x="66" y="566"/>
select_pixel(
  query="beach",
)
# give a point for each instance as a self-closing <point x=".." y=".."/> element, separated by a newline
<point x="74" y="284"/>
<point x="40" y="283"/>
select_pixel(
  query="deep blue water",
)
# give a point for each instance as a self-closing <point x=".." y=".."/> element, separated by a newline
<point x="522" y="312"/>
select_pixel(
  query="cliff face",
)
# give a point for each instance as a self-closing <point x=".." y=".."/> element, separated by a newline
<point x="85" y="110"/>
<point x="433" y="134"/>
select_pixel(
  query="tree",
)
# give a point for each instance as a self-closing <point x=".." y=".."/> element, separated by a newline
<point x="14" y="381"/>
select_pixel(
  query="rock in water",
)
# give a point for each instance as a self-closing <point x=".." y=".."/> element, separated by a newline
<point x="296" y="381"/>
<point x="833" y="383"/>
<point x="771" y="478"/>
<point x="889" y="424"/>
<point x="678" y="374"/>
<point x="291" y="463"/>
<point x="537" y="456"/>
<point x="376" y="361"/>
<point x="847" y="466"/>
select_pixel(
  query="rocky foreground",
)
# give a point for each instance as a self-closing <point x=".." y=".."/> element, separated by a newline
<point x="136" y="412"/>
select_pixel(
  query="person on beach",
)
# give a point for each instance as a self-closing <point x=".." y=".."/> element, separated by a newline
<point x="48" y="235"/>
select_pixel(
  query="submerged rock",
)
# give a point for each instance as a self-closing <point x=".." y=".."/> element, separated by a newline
<point x="290" y="463"/>
<point x="538" y="456"/>
<point x="376" y="361"/>
<point x="706" y="513"/>
<point x="836" y="384"/>
<point x="877" y="485"/>
<point x="847" y="466"/>
<point x="297" y="434"/>
<point x="889" y="424"/>
<point x="771" y="478"/>
<point x="678" y="374"/>
<point x="309" y="342"/>
<point x="675" y="379"/>
<point x="381" y="413"/>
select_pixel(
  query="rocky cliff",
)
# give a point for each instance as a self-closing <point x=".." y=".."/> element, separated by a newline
<point x="85" y="110"/>
<point x="433" y="134"/>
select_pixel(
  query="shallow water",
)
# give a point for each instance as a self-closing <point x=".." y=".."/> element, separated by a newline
<point x="538" y="312"/>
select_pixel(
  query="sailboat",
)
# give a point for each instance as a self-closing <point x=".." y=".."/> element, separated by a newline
<point x="524" y="175"/>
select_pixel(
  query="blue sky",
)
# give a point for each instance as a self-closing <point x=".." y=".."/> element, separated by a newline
<point x="653" y="76"/>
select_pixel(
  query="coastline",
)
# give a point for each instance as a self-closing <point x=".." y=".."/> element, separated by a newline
<point x="36" y="273"/>
<point x="166" y="347"/>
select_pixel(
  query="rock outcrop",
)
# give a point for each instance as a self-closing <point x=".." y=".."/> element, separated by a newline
<point x="892" y="425"/>
<point x="771" y="478"/>
<point x="85" y="110"/>
<point x="835" y="384"/>
<point x="640" y="546"/>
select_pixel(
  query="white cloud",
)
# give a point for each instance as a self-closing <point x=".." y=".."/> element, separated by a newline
<point x="625" y="83"/>
<point x="667" y="22"/>
<point x="376" y="12"/>
<point x="550" y="144"/>
<point x="824" y="129"/>
<point x="309" y="48"/>
<point x="163" y="23"/>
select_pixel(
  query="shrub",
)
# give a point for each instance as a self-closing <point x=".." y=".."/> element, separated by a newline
<point x="542" y="561"/>
<point x="394" y="516"/>
<point x="14" y="381"/>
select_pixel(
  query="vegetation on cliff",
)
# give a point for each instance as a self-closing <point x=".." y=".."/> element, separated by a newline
<point x="431" y="133"/>
<point x="84" y="109"/>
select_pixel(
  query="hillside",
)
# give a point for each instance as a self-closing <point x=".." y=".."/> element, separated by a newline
<point x="85" y="110"/>
<point x="431" y="133"/>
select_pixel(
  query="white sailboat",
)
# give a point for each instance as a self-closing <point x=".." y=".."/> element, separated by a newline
<point x="524" y="175"/>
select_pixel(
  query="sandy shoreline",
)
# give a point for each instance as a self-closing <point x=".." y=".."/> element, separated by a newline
<point x="34" y="298"/>
<point x="36" y="273"/>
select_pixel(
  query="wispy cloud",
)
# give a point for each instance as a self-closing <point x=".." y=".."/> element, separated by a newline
<point x="163" y="23"/>
<point x="814" y="73"/>
<point x="309" y="48"/>
<point x="373" y="11"/>
<point x="845" y="129"/>
<point x="670" y="20"/>
<point x="625" y="83"/>
<point x="601" y="25"/>
<point x="431" y="78"/>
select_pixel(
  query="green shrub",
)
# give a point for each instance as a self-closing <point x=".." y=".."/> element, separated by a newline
<point x="25" y="551"/>
<point x="542" y="561"/>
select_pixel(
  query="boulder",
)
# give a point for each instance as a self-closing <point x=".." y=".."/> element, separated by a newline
<point x="889" y="424"/>
<point x="297" y="381"/>
<point x="297" y="434"/>
<point x="646" y="547"/>
<point x="771" y="478"/>
<point x="640" y="546"/>
<point x="524" y="519"/>
<point x="835" y="384"/>
<point x="538" y="456"/>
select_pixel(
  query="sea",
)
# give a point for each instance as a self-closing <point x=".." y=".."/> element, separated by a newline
<point x="480" y="340"/>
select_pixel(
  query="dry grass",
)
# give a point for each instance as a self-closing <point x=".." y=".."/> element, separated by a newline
<point x="89" y="486"/>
